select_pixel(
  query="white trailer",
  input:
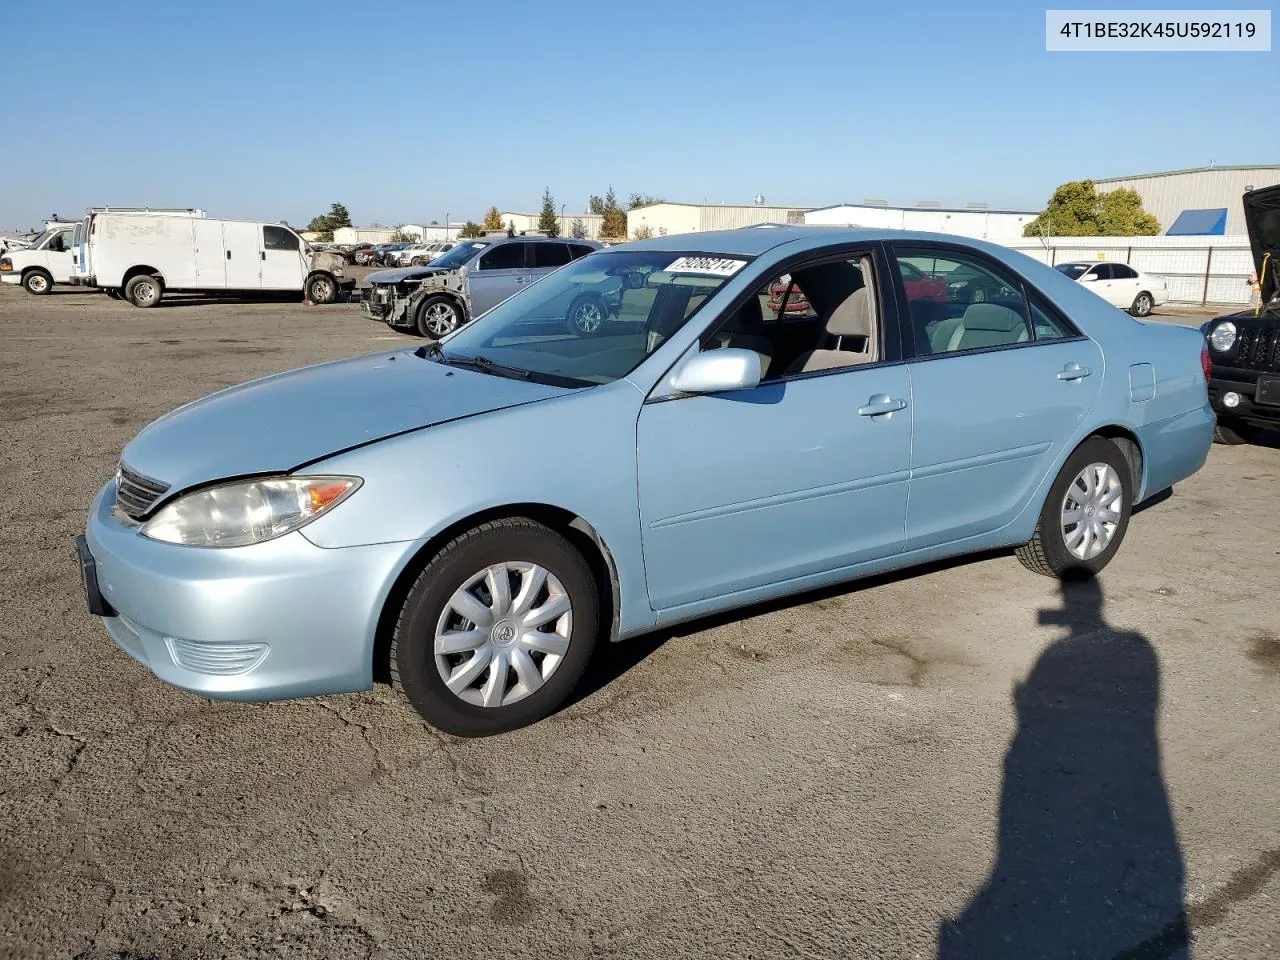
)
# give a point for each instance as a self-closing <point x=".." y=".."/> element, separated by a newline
<point x="47" y="261"/>
<point x="142" y="254"/>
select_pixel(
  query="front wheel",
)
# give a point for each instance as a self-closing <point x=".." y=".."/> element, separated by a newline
<point x="143" y="291"/>
<point x="37" y="282"/>
<point x="497" y="630"/>
<point x="1232" y="433"/>
<point x="322" y="289"/>
<point x="438" y="316"/>
<point x="1142" y="305"/>
<point x="1086" y="514"/>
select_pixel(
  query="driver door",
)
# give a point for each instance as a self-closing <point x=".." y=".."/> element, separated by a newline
<point x="800" y="476"/>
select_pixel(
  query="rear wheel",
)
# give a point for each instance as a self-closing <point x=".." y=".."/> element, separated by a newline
<point x="497" y="630"/>
<point x="143" y="291"/>
<point x="322" y="289"/>
<point x="1086" y="514"/>
<point x="37" y="282"/>
<point x="438" y="316"/>
<point x="1232" y="433"/>
<point x="1142" y="305"/>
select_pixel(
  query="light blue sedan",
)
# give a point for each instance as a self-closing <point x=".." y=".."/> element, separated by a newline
<point x="771" y="410"/>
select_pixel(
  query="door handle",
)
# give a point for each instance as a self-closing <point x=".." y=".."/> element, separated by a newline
<point x="228" y="254"/>
<point x="522" y="279"/>
<point x="263" y="254"/>
<point x="1073" y="371"/>
<point x="881" y="404"/>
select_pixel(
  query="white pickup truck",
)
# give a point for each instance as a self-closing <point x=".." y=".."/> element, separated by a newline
<point x="46" y="262"/>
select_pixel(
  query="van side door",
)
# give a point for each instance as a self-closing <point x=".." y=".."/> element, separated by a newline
<point x="242" y="252"/>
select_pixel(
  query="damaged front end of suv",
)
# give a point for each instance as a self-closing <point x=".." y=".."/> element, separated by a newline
<point x="1244" y="347"/>
<point x="433" y="299"/>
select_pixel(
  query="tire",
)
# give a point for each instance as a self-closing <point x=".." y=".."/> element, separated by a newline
<point x="1233" y="433"/>
<point x="1048" y="552"/>
<point x="143" y="290"/>
<point x="415" y="262"/>
<point x="1142" y="305"/>
<point x="587" y="315"/>
<point x="514" y="546"/>
<point x="322" y="289"/>
<point x="437" y="316"/>
<point x="37" y="283"/>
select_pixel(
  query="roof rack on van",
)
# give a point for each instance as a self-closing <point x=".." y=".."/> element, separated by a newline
<point x="170" y="211"/>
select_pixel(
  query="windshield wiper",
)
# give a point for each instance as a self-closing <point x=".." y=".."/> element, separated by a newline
<point x="483" y="364"/>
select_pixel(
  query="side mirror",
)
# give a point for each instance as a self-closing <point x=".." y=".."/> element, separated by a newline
<point x="1089" y="278"/>
<point x="717" y="371"/>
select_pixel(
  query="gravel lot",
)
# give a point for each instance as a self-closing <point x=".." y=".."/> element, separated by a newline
<point x="838" y="776"/>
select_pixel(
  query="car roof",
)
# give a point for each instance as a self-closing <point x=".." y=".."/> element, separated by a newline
<point x="761" y="238"/>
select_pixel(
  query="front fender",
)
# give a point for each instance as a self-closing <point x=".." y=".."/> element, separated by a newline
<point x="575" y="452"/>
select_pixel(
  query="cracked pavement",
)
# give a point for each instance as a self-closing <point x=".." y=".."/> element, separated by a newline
<point x="835" y="776"/>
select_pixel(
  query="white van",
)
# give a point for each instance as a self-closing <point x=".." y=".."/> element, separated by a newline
<point x="47" y="261"/>
<point x="141" y="254"/>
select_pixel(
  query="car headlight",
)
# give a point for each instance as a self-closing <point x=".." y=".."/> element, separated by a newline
<point x="247" y="511"/>
<point x="1223" y="337"/>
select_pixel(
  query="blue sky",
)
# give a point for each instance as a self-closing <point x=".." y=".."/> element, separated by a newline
<point x="275" y="109"/>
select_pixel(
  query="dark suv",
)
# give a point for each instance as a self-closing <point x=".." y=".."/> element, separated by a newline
<point x="472" y="278"/>
<point x="1244" y="348"/>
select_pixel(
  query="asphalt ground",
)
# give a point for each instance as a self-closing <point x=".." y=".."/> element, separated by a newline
<point x="963" y="761"/>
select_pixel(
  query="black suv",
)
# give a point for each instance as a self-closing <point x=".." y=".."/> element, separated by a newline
<point x="1244" y="348"/>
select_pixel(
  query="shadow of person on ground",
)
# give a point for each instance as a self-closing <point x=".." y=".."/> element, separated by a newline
<point x="1088" y="864"/>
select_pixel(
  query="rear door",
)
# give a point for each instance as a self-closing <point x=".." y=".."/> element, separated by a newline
<point x="242" y="253"/>
<point x="211" y="258"/>
<point x="998" y="390"/>
<point x="1124" y="285"/>
<point x="283" y="266"/>
<point x="496" y="274"/>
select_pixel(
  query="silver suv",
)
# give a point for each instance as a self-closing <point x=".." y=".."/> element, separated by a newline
<point x="472" y="278"/>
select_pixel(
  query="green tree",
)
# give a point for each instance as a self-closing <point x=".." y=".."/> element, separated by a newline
<point x="642" y="200"/>
<point x="326" y="223"/>
<point x="642" y="232"/>
<point x="1076" y="209"/>
<point x="492" y="219"/>
<point x="547" y="221"/>
<point x="579" y="229"/>
<point x="613" y="219"/>
<point x="399" y="236"/>
<point x="470" y="229"/>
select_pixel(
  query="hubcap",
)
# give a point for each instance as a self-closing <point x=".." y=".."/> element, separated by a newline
<point x="37" y="283"/>
<point x="503" y="634"/>
<point x="1091" y="510"/>
<point x="322" y="289"/>
<point x="587" y="317"/>
<point x="440" y="319"/>
<point x="145" y="291"/>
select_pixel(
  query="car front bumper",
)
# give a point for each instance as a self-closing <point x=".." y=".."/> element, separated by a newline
<point x="10" y="278"/>
<point x="279" y="619"/>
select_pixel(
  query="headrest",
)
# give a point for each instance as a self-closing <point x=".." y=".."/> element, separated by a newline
<point x="853" y="317"/>
<point x="991" y="317"/>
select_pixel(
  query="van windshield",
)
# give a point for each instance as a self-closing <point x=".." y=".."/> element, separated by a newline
<point x="41" y="240"/>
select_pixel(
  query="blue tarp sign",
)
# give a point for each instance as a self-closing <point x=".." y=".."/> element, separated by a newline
<point x="1199" y="223"/>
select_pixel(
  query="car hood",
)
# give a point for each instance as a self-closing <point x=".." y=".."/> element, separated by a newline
<point x="1262" y="218"/>
<point x="282" y="422"/>
<point x="402" y="274"/>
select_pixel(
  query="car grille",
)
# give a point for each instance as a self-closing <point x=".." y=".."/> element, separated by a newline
<point x="136" y="494"/>
<point x="1258" y="347"/>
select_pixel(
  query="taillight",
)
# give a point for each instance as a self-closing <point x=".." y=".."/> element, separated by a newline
<point x="1205" y="365"/>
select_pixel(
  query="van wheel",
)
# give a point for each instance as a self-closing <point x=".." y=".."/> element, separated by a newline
<point x="322" y="289"/>
<point x="1085" y="516"/>
<point x="37" y="282"/>
<point x="438" y="316"/>
<point x="143" y="291"/>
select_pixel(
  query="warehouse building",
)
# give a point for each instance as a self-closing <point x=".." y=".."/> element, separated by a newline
<point x="529" y="221"/>
<point x="662" y="219"/>
<point x="973" y="220"/>
<point x="1201" y="201"/>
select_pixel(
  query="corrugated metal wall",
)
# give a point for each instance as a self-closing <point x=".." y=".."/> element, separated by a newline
<point x="731" y="218"/>
<point x="1167" y="196"/>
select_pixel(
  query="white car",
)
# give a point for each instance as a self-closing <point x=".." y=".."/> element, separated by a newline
<point x="1119" y="284"/>
<point x="422" y="253"/>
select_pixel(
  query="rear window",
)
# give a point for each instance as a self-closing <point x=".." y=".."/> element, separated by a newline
<point x="550" y="254"/>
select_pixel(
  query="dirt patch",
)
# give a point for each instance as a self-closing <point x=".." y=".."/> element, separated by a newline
<point x="510" y="890"/>
<point x="1264" y="650"/>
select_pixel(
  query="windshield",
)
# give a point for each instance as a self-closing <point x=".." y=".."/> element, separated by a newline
<point x="1073" y="270"/>
<point x="459" y="254"/>
<point x="594" y="320"/>
<point x="35" y="244"/>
